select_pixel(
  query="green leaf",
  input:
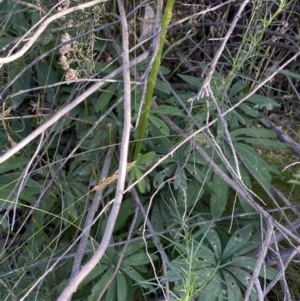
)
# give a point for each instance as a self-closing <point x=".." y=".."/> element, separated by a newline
<point x="167" y="110"/>
<point x="136" y="276"/>
<point x="253" y="132"/>
<point x="136" y="173"/>
<point x="237" y="87"/>
<point x="157" y="218"/>
<point x="70" y="203"/>
<point x="195" y="81"/>
<point x="126" y="209"/>
<point x="249" y="263"/>
<point x="286" y="73"/>
<point x="134" y="247"/>
<point x="202" y="178"/>
<point x="160" y="124"/>
<point x="164" y="70"/>
<point x="84" y="168"/>
<point x="138" y="259"/>
<point x="162" y="87"/>
<point x="160" y="176"/>
<point x="195" y="191"/>
<point x="22" y="83"/>
<point x="247" y="182"/>
<point x="106" y="96"/>
<point x="146" y="158"/>
<point x="212" y="290"/>
<point x="97" y="270"/>
<point x="111" y="292"/>
<point x="237" y="242"/>
<point x="208" y="256"/>
<point x="243" y="277"/>
<point x="99" y="286"/>
<point x="104" y="68"/>
<point x="248" y="110"/>
<point x="213" y="238"/>
<point x="121" y="287"/>
<point x="233" y="289"/>
<point x="258" y="166"/>
<point x="219" y="199"/>
<point x="47" y="76"/>
<point x="264" y="142"/>
<point x="16" y="18"/>
<point x="262" y="102"/>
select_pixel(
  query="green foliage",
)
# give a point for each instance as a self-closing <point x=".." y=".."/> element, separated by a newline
<point x="221" y="268"/>
<point x="133" y="268"/>
<point x="46" y="198"/>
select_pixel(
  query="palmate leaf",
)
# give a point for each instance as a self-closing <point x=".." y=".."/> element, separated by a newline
<point x="262" y="102"/>
<point x="157" y="220"/>
<point x="253" y="132"/>
<point x="213" y="238"/>
<point x="247" y="182"/>
<point x="194" y="192"/>
<point x="138" y="259"/>
<point x="162" y="87"/>
<point x="192" y="80"/>
<point x="248" y="111"/>
<point x="99" y="286"/>
<point x="126" y="209"/>
<point x="219" y="199"/>
<point x="136" y="174"/>
<point x="257" y="165"/>
<point x="12" y="164"/>
<point x="237" y="241"/>
<point x="160" y="124"/>
<point x="106" y="96"/>
<point x="243" y="278"/>
<point x="233" y="289"/>
<point x="121" y="287"/>
<point x="167" y="110"/>
<point x="237" y="87"/>
<point x="159" y="178"/>
<point x="46" y="75"/>
<point x="145" y="159"/>
<point x="264" y="142"/>
<point x="96" y="272"/>
<point x="212" y="291"/>
<point x="249" y="263"/>
<point x="134" y="247"/>
<point x="136" y="276"/>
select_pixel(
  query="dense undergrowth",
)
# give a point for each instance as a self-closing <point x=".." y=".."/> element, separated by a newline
<point x="209" y="186"/>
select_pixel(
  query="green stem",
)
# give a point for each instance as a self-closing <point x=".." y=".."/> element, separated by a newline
<point x="152" y="80"/>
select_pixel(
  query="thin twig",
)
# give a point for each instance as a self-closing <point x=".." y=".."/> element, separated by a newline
<point x="159" y="246"/>
<point x="44" y="24"/>
<point x="29" y="5"/>
<point x="117" y="266"/>
<point x="258" y="265"/>
<point x="72" y="286"/>
<point x="213" y="64"/>
<point x="90" y="217"/>
<point x="67" y="109"/>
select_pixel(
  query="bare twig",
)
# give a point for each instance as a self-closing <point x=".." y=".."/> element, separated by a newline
<point x="206" y="83"/>
<point x="117" y="267"/>
<point x="66" y="109"/>
<point x="260" y="261"/>
<point x="38" y="8"/>
<point x="90" y="217"/>
<point x="72" y="286"/>
<point x="44" y="24"/>
<point x="160" y="248"/>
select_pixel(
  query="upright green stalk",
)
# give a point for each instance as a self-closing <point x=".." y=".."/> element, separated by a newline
<point x="152" y="80"/>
